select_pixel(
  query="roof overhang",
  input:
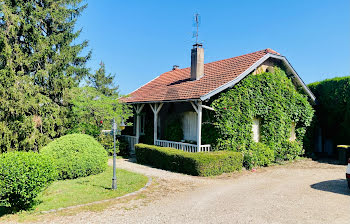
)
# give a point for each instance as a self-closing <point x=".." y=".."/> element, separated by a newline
<point x="255" y="66"/>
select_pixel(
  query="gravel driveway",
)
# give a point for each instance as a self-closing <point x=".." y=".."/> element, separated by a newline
<point x="300" y="192"/>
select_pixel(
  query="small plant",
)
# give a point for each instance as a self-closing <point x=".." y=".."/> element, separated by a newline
<point x="289" y="150"/>
<point x="23" y="175"/>
<point x="77" y="155"/>
<point x="107" y="141"/>
<point x="258" y="154"/>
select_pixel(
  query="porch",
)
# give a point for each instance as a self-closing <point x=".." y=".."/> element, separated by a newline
<point x="189" y="117"/>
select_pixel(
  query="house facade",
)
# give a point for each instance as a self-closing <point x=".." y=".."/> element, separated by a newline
<point x="183" y="96"/>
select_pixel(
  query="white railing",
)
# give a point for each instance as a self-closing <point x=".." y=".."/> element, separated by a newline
<point x="132" y="141"/>
<point x="183" y="146"/>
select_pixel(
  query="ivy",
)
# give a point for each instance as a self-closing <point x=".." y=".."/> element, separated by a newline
<point x="273" y="99"/>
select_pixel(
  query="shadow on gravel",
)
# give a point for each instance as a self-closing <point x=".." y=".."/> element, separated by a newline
<point x="339" y="186"/>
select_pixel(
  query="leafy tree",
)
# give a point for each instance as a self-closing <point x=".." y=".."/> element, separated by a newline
<point x="38" y="62"/>
<point x="91" y="107"/>
<point x="102" y="82"/>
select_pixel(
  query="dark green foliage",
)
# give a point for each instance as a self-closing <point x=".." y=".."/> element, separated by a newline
<point x="198" y="164"/>
<point x="210" y="132"/>
<point x="39" y="60"/>
<point x="107" y="141"/>
<point x="258" y="154"/>
<point x="289" y="150"/>
<point x="123" y="148"/>
<point x="333" y="108"/>
<point x="102" y="82"/>
<point x="23" y="175"/>
<point x="86" y="128"/>
<point x="270" y="97"/>
<point x="173" y="130"/>
<point x="77" y="155"/>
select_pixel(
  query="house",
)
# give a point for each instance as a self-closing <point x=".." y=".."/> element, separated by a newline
<point x="188" y="92"/>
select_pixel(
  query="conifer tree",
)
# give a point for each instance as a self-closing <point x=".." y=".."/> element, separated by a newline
<point x="102" y="82"/>
<point x="39" y="62"/>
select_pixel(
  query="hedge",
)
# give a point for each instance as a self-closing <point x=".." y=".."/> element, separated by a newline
<point x="77" y="155"/>
<point x="333" y="108"/>
<point x="23" y="175"/>
<point x="197" y="164"/>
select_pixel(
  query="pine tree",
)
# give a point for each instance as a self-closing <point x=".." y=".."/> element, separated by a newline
<point x="39" y="62"/>
<point x="102" y="82"/>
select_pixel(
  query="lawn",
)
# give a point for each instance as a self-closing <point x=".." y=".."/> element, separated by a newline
<point x="66" y="193"/>
<point x="83" y="190"/>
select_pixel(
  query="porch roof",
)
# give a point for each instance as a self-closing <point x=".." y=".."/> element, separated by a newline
<point x="176" y="85"/>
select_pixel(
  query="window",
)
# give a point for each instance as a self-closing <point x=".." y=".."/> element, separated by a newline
<point x="256" y="129"/>
<point x="292" y="137"/>
<point x="189" y="126"/>
<point x="142" y="124"/>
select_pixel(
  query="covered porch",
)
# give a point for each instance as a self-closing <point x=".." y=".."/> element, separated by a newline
<point x="152" y="125"/>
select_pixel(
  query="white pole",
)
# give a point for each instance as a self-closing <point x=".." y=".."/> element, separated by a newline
<point x="137" y="123"/>
<point x="155" y="124"/>
<point x="199" y="125"/>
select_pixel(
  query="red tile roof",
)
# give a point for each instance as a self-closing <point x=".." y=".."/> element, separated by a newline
<point x="176" y="84"/>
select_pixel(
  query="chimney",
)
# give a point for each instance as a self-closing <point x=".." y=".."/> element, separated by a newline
<point x="197" y="61"/>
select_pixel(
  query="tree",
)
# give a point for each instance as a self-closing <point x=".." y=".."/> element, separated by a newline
<point x="39" y="62"/>
<point x="102" y="82"/>
<point x="93" y="110"/>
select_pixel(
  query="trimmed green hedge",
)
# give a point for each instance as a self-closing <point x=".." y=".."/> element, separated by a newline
<point x="77" y="155"/>
<point x="23" y="175"/>
<point x="333" y="109"/>
<point x="197" y="164"/>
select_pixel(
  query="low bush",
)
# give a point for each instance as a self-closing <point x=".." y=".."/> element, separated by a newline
<point x="23" y="175"/>
<point x="197" y="164"/>
<point x="289" y="150"/>
<point x="258" y="154"/>
<point x="107" y="142"/>
<point x="77" y="155"/>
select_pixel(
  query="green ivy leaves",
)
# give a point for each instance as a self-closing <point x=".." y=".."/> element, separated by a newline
<point x="274" y="99"/>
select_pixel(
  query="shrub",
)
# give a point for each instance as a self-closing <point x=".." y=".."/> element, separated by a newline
<point x="333" y="108"/>
<point x="123" y="148"/>
<point x="23" y="175"/>
<point x="106" y="140"/>
<point x="85" y="128"/>
<point x="173" y="130"/>
<point x="77" y="155"/>
<point x="289" y="150"/>
<point x="198" y="164"/>
<point x="258" y="154"/>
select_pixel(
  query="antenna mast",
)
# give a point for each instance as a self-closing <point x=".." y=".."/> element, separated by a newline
<point x="197" y="25"/>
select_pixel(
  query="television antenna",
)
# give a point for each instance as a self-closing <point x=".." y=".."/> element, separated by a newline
<point x="197" y="21"/>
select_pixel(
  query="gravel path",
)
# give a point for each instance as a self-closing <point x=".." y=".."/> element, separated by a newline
<point x="300" y="192"/>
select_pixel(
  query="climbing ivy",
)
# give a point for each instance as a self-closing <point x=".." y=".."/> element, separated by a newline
<point x="270" y="97"/>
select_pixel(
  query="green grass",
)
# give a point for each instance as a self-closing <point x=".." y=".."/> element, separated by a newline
<point x="88" y="189"/>
<point x="64" y="193"/>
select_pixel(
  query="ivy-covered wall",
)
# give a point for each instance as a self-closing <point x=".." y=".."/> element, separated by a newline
<point x="275" y="101"/>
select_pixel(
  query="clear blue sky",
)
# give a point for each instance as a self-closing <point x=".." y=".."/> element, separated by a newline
<point x="139" y="40"/>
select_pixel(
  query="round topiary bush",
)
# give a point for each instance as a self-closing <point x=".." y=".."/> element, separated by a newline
<point x="77" y="155"/>
<point x="23" y="175"/>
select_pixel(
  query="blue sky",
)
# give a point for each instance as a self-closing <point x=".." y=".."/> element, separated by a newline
<point x="139" y="40"/>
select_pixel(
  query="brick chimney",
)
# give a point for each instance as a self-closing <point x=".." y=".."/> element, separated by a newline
<point x="197" y="61"/>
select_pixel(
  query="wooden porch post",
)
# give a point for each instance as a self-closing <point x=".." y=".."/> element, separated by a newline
<point x="198" y="109"/>
<point x="156" y="108"/>
<point x="199" y="126"/>
<point x="138" y="110"/>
